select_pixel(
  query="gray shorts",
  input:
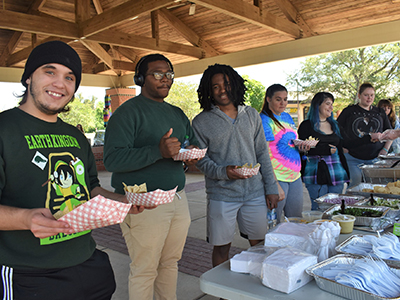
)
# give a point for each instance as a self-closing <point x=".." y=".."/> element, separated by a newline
<point x="251" y="216"/>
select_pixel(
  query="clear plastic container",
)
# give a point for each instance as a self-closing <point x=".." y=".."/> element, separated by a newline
<point x="311" y="215"/>
<point x="346" y="222"/>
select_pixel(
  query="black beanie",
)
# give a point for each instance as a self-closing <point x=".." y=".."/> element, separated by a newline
<point x="53" y="52"/>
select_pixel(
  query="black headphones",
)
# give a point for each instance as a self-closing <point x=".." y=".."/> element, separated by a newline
<point x="139" y="78"/>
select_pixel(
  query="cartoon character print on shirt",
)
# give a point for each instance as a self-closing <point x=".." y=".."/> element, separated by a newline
<point x="364" y="124"/>
<point x="66" y="187"/>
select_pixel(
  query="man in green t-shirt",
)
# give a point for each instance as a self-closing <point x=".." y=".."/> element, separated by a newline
<point x="142" y="136"/>
<point x="45" y="165"/>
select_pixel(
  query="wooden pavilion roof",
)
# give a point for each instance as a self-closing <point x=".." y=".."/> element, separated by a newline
<point x="111" y="35"/>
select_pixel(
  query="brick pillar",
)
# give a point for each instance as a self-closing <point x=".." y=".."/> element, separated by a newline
<point x="119" y="96"/>
<point x="98" y="155"/>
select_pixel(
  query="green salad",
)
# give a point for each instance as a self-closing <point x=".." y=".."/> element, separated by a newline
<point x="392" y="203"/>
<point x="360" y="212"/>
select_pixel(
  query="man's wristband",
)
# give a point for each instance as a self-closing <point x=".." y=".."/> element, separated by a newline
<point x="385" y="149"/>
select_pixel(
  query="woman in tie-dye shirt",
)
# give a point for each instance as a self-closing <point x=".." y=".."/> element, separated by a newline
<point x="280" y="131"/>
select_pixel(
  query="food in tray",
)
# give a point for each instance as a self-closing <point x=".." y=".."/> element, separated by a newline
<point x="67" y="207"/>
<point x="311" y="138"/>
<point x="247" y="169"/>
<point x="379" y="201"/>
<point x="138" y="195"/>
<point x="338" y="200"/>
<point x="135" y="188"/>
<point x="360" y="212"/>
<point x="311" y="141"/>
<point x="391" y="188"/>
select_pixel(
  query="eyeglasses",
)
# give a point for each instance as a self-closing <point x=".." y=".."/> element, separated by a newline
<point x="160" y="75"/>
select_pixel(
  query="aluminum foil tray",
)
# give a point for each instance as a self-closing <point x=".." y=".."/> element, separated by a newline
<point x="359" y="239"/>
<point x="379" y="171"/>
<point x="323" y="204"/>
<point x="390" y="156"/>
<point x="393" y="213"/>
<point x="360" y="221"/>
<point x="357" y="190"/>
<point x="339" y="289"/>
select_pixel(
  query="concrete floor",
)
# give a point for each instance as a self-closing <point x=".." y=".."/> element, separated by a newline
<point x="188" y="286"/>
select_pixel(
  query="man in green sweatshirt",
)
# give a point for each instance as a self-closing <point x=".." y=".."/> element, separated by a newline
<point x="142" y="136"/>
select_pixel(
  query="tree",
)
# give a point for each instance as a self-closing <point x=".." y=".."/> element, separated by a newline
<point x="184" y="95"/>
<point x="87" y="112"/>
<point x="342" y="73"/>
<point x="255" y="93"/>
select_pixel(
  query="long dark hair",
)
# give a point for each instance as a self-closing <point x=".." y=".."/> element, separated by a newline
<point x="313" y="113"/>
<point x="271" y="90"/>
<point x="392" y="115"/>
<point x="235" y="88"/>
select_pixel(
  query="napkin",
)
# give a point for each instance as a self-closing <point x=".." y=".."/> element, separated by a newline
<point x="95" y="213"/>
<point x="153" y="198"/>
<point x="185" y="154"/>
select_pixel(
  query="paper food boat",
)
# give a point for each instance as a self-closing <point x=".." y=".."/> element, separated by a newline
<point x="95" y="213"/>
<point x="153" y="198"/>
<point x="185" y="154"/>
<point x="246" y="171"/>
<point x="312" y="143"/>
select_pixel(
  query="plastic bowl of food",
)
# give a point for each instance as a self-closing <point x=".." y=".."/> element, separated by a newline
<point x="312" y="215"/>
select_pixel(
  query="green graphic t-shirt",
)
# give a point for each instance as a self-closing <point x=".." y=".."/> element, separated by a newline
<point x="44" y="165"/>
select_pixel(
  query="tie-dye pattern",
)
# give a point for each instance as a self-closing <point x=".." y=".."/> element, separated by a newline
<point x="285" y="157"/>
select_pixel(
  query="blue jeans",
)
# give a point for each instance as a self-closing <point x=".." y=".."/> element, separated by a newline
<point x="316" y="191"/>
<point x="355" y="172"/>
<point x="292" y="205"/>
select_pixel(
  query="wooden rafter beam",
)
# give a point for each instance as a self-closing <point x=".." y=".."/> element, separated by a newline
<point x="251" y="14"/>
<point x="155" y="26"/>
<point x="97" y="6"/>
<point x="14" y="40"/>
<point x="121" y="14"/>
<point x="98" y="68"/>
<point x="191" y="36"/>
<point x="128" y="53"/>
<point x="82" y="8"/>
<point x="123" y="65"/>
<point x="99" y="51"/>
<point x="293" y="15"/>
<point x="140" y="42"/>
<point x="38" y="24"/>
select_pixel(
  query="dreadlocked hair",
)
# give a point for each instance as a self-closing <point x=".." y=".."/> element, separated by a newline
<point x="235" y="88"/>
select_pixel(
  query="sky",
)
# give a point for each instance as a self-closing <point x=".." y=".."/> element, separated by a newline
<point x="267" y="74"/>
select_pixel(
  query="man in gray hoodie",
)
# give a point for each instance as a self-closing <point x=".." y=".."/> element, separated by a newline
<point x="234" y="136"/>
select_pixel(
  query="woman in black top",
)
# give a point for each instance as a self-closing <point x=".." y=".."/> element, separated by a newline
<point x="324" y="168"/>
<point x="361" y="122"/>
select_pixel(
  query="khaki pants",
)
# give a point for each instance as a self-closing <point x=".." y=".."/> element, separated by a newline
<point x="155" y="240"/>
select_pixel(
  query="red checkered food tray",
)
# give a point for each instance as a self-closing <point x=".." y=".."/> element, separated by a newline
<point x="153" y="198"/>
<point x="312" y="143"/>
<point x="185" y="154"/>
<point x="95" y="213"/>
<point x="246" y="171"/>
